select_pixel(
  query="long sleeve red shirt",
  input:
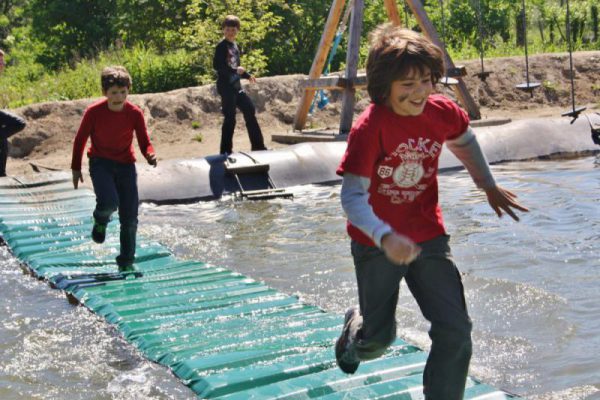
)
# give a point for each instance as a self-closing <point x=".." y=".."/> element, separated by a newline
<point x="111" y="133"/>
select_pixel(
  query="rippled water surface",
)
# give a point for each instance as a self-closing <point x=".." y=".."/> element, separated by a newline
<point x="531" y="287"/>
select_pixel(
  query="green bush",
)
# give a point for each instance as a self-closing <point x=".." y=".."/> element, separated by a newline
<point x="28" y="83"/>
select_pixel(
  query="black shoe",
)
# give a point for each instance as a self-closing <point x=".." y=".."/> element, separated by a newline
<point x="98" y="232"/>
<point x="345" y="353"/>
<point x="127" y="268"/>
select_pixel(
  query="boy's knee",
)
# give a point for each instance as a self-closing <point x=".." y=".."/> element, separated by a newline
<point x="107" y="207"/>
<point x="249" y="110"/>
<point x="456" y="337"/>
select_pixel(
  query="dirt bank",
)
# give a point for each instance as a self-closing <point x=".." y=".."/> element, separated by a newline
<point x="185" y="123"/>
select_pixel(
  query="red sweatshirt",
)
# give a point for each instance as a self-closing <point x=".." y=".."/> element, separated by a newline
<point x="111" y="133"/>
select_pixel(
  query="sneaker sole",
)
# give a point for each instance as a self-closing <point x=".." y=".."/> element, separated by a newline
<point x="345" y="366"/>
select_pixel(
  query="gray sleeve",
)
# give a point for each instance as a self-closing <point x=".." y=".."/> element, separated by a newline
<point x="467" y="150"/>
<point x="355" y="202"/>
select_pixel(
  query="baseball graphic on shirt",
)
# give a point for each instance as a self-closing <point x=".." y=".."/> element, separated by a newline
<point x="408" y="174"/>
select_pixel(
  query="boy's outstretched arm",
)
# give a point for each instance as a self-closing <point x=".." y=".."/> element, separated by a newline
<point x="467" y="150"/>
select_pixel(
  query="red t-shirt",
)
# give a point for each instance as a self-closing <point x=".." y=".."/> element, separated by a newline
<point x="111" y="133"/>
<point x="400" y="155"/>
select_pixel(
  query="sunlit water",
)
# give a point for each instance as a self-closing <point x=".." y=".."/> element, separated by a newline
<point x="531" y="287"/>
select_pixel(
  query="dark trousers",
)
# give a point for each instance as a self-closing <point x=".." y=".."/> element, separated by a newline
<point x="231" y="99"/>
<point x="435" y="282"/>
<point x="115" y="185"/>
<point x="3" y="155"/>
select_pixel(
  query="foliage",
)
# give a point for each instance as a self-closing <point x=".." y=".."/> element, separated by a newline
<point x="56" y="48"/>
<point x="71" y="30"/>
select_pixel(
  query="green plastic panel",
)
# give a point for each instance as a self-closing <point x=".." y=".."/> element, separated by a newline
<point x="223" y="334"/>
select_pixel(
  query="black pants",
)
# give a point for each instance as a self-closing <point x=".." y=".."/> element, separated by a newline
<point x="115" y="185"/>
<point x="435" y="283"/>
<point x="3" y="155"/>
<point x="231" y="99"/>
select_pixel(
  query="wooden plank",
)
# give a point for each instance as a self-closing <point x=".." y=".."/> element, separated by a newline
<point x="351" y="66"/>
<point x="330" y="82"/>
<point x="334" y="82"/>
<point x="392" y="12"/>
<point x="461" y="89"/>
<point x="316" y="69"/>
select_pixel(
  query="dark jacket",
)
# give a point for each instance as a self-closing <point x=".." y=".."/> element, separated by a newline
<point x="225" y="62"/>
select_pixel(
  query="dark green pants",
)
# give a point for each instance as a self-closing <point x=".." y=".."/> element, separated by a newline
<point x="435" y="282"/>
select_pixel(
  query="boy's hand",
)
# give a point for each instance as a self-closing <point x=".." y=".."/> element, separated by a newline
<point x="252" y="79"/>
<point x="241" y="70"/>
<point x="399" y="249"/>
<point x="502" y="199"/>
<point x="151" y="158"/>
<point x="77" y="177"/>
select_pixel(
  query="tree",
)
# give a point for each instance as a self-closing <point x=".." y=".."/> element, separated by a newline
<point x="72" y="30"/>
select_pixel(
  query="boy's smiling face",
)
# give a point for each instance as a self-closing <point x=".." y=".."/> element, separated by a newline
<point x="408" y="95"/>
<point x="230" y="33"/>
<point x="116" y="96"/>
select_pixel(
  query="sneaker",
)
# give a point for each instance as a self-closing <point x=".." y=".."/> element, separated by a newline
<point x="127" y="268"/>
<point x="345" y="353"/>
<point x="98" y="232"/>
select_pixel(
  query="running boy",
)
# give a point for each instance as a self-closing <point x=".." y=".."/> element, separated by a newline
<point x="226" y="62"/>
<point x="110" y="123"/>
<point x="390" y="196"/>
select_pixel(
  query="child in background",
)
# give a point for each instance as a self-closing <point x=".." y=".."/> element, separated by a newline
<point x="110" y="124"/>
<point x="390" y="196"/>
<point x="9" y="125"/>
<point x="226" y="62"/>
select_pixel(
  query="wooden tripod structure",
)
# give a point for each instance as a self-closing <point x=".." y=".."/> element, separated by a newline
<point x="351" y="80"/>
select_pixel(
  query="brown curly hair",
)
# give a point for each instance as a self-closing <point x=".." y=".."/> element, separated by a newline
<point x="394" y="52"/>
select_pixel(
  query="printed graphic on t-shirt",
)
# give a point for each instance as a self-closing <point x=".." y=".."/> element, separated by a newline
<point x="232" y="54"/>
<point x="402" y="171"/>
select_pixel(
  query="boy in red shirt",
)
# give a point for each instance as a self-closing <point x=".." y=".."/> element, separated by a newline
<point x="390" y="195"/>
<point x="110" y="124"/>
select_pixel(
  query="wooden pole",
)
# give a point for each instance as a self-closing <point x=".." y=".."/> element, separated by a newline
<point x="319" y="62"/>
<point x="392" y="12"/>
<point x="461" y="89"/>
<point x="351" y="66"/>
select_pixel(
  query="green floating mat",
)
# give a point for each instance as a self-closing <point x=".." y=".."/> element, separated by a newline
<point x="223" y="334"/>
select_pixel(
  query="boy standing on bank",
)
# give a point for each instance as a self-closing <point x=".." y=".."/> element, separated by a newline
<point x="390" y="196"/>
<point x="110" y="124"/>
<point x="226" y="62"/>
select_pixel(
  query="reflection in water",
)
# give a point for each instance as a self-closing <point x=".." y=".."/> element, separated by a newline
<point x="530" y="286"/>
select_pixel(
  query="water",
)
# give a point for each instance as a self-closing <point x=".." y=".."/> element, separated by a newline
<point x="531" y="287"/>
